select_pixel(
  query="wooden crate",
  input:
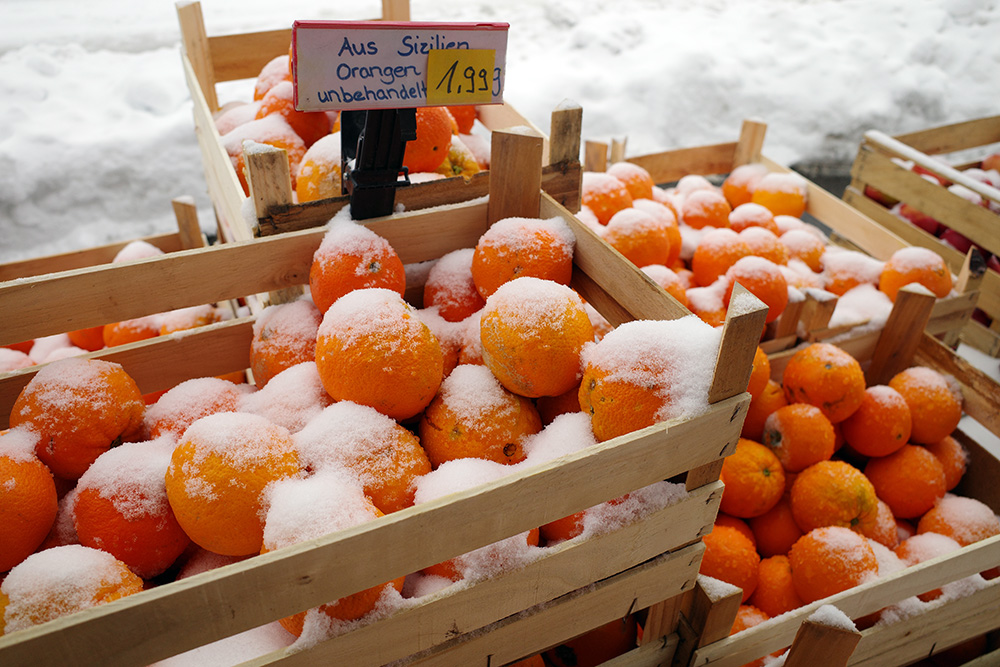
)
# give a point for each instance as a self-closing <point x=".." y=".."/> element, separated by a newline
<point x="208" y="61"/>
<point x="877" y="166"/>
<point x="573" y="588"/>
<point x="940" y="626"/>
<point x="804" y="320"/>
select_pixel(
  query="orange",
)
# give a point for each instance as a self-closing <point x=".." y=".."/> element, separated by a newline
<point x="765" y="243"/>
<point x="28" y="499"/>
<point x="291" y="399"/>
<point x="532" y="332"/>
<point x="775" y="593"/>
<point x="748" y="616"/>
<point x="218" y="475"/>
<point x="776" y="531"/>
<point x="320" y="172"/>
<point x="131" y="331"/>
<point x="771" y="397"/>
<point x="637" y="235"/>
<point x="631" y="377"/>
<point x="760" y="374"/>
<point x="596" y="646"/>
<point x="831" y="559"/>
<point x="668" y="216"/>
<point x="550" y="407"/>
<point x="880" y="425"/>
<point x="966" y="520"/>
<point x="12" y="360"/>
<point x="274" y="71"/>
<point x="738" y="186"/>
<point x="691" y="183"/>
<point x="61" y="581"/>
<point x="708" y="303"/>
<point x="754" y="479"/>
<point x="910" y="480"/>
<point x="472" y="347"/>
<point x="517" y="247"/>
<point x="311" y="126"/>
<point x="730" y="557"/>
<point x="350" y="257"/>
<point x="668" y="280"/>
<point x="846" y="269"/>
<point x="935" y="402"/>
<point x="80" y="408"/>
<point x="781" y="193"/>
<point x="184" y="403"/>
<point x="824" y="375"/>
<point x="305" y="509"/>
<point x="604" y="195"/>
<point x="435" y="125"/>
<point x="121" y="507"/>
<point x="271" y="130"/>
<point x="385" y="457"/>
<point x="89" y="339"/>
<point x="183" y="319"/>
<point x="450" y="286"/>
<point x="24" y="346"/>
<point x="746" y="216"/>
<point x="460" y="161"/>
<point x="717" y="250"/>
<point x="804" y="246"/>
<point x="763" y="279"/>
<point x="953" y="457"/>
<point x="283" y="335"/>
<point x="834" y="493"/>
<point x="884" y="530"/>
<point x="465" y="117"/>
<point x="723" y="519"/>
<point x="705" y="208"/>
<point x="800" y="435"/>
<point x="449" y="335"/>
<point x="915" y="264"/>
<point x="637" y="180"/>
<point x="924" y="546"/>
<point x="372" y="348"/>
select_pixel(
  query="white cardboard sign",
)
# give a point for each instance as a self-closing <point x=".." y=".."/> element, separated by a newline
<point x="339" y="65"/>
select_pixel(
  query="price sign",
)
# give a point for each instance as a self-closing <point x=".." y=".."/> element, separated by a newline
<point x="460" y="76"/>
<point x="342" y="65"/>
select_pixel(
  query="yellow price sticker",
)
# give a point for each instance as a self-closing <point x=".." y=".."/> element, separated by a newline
<point x="460" y="76"/>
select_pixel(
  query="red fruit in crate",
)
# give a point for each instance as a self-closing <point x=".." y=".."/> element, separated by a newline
<point x="879" y="196"/>
<point x="958" y="241"/>
<point x="927" y="173"/>
<point x="993" y="263"/>
<point x="991" y="161"/>
<point x="596" y="646"/>
<point x="920" y="219"/>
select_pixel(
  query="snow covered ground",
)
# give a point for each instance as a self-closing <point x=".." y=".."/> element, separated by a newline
<point x="96" y="133"/>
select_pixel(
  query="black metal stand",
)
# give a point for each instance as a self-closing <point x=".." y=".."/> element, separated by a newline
<point x="372" y="146"/>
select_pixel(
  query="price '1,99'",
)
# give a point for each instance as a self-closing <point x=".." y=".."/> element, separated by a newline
<point x="462" y="76"/>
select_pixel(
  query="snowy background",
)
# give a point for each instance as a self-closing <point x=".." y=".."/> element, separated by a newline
<point x="96" y="131"/>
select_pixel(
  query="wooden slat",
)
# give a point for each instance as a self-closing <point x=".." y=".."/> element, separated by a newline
<point x="197" y="51"/>
<point x="565" y="133"/>
<point x="516" y="174"/>
<point x="900" y="335"/>
<point x="981" y="392"/>
<point x="76" y="259"/>
<point x="445" y="622"/>
<point x="595" y="156"/>
<point x="243" y="56"/>
<point x="220" y="602"/>
<point x="711" y="617"/>
<point x="954" y="136"/>
<point x="188" y="226"/>
<point x="671" y="166"/>
<point x="820" y="644"/>
<point x="505" y="116"/>
<point x="750" y="144"/>
<point x="861" y="600"/>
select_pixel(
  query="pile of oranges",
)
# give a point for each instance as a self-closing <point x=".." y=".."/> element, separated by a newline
<point x="445" y="145"/>
<point x="834" y="483"/>
<point x="355" y="395"/>
<point x="697" y="239"/>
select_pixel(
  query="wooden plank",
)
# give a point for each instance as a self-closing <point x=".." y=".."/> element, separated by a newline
<point x="197" y="51"/>
<point x="220" y="603"/>
<point x="820" y="644"/>
<point x="900" y="335"/>
<point x="455" y="617"/>
<point x="506" y="117"/>
<point x="395" y="10"/>
<point x="595" y="156"/>
<point x="188" y="227"/>
<point x="981" y="392"/>
<point x="671" y="166"/>
<point x="859" y="601"/>
<point x="663" y="618"/>
<point x="617" y="152"/>
<point x="243" y="56"/>
<point x="935" y="629"/>
<point x="515" y="174"/>
<point x="76" y="259"/>
<point x="750" y="143"/>
<point x="161" y="362"/>
<point x="954" y="136"/>
<point x="565" y="133"/>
